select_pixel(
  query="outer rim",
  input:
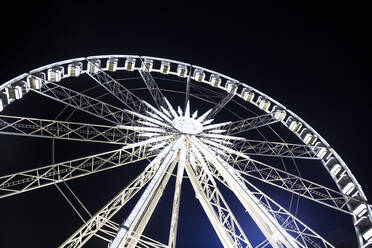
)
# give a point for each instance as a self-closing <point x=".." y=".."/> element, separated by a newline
<point x="241" y="85"/>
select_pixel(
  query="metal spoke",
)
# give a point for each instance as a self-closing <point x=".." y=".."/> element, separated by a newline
<point x="214" y="205"/>
<point x="93" y="225"/>
<point x="82" y="102"/>
<point x="43" y="128"/>
<point x="48" y="175"/>
<point x="249" y="124"/>
<point x="115" y="88"/>
<point x="273" y="149"/>
<point x="176" y="198"/>
<point x="187" y="91"/>
<point x="141" y="213"/>
<point x="272" y="230"/>
<point x="142" y="241"/>
<point x="293" y="183"/>
<point x="222" y="103"/>
<point x="153" y="88"/>
<point x="303" y="235"/>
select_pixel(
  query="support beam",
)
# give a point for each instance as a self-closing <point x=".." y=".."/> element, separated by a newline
<point x="140" y="214"/>
<point x="222" y="219"/>
<point x="145" y="242"/>
<point x="143" y="219"/>
<point x="273" y="149"/>
<point x="116" y="89"/>
<point x="93" y="225"/>
<point x="272" y="230"/>
<point x="85" y="132"/>
<point x="48" y="175"/>
<point x="303" y="235"/>
<point x="219" y="106"/>
<point x="249" y="124"/>
<point x="187" y="91"/>
<point x="82" y="102"/>
<point x="293" y="183"/>
<point x="153" y="88"/>
<point x="177" y="197"/>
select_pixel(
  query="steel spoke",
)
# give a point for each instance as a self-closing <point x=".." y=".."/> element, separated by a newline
<point x="141" y="213"/>
<point x="43" y="128"/>
<point x="116" y="89"/>
<point x="221" y="104"/>
<point x="187" y="91"/>
<point x="214" y="205"/>
<point x="153" y="88"/>
<point x="293" y="183"/>
<point x="272" y="230"/>
<point x="249" y="124"/>
<point x="303" y="235"/>
<point x="93" y="225"/>
<point x="142" y="241"/>
<point x="176" y="198"/>
<point x="48" y="175"/>
<point x="82" y="102"/>
<point x="272" y="149"/>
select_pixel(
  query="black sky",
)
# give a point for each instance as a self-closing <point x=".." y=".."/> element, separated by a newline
<point x="312" y="58"/>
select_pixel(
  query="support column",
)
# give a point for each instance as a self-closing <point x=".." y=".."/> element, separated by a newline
<point x="152" y="191"/>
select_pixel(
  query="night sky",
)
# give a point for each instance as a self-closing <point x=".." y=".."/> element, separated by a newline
<point x="312" y="58"/>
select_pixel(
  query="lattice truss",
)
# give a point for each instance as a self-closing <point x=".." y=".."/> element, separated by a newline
<point x="193" y="146"/>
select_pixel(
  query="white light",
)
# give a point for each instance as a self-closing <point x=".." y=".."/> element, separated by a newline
<point x="221" y="136"/>
<point x="201" y="118"/>
<point x="157" y="112"/>
<point x="187" y="125"/>
<point x="195" y="114"/>
<point x="179" y="110"/>
<point x="148" y="123"/>
<point x="187" y="111"/>
<point x="217" y="131"/>
<point x="360" y="210"/>
<point x="171" y="109"/>
<point x="165" y="111"/>
<point x="368" y="234"/>
<point x="348" y="188"/>
<point x="147" y="118"/>
<point x="148" y="134"/>
<point x="208" y="122"/>
<point x="216" y="125"/>
<point x="336" y="169"/>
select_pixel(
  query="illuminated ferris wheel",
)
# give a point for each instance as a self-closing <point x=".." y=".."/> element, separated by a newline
<point x="184" y="122"/>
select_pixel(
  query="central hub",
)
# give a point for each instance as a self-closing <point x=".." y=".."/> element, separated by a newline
<point x="187" y="125"/>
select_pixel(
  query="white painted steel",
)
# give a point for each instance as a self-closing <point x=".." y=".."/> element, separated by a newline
<point x="160" y="127"/>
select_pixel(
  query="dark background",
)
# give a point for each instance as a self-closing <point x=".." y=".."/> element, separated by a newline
<point x="312" y="58"/>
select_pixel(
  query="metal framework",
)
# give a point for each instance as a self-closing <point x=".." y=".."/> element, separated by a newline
<point x="249" y="124"/>
<point x="82" y="102"/>
<point x="42" y="128"/>
<point x="276" y="149"/>
<point x="153" y="88"/>
<point x="48" y="175"/>
<point x="293" y="183"/>
<point x="219" y="106"/>
<point x="116" y="89"/>
<point x="208" y="151"/>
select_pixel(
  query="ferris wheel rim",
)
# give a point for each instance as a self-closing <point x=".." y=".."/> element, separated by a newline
<point x="241" y="84"/>
<point x="79" y="59"/>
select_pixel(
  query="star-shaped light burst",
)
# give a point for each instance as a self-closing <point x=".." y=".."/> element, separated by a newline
<point x="161" y="127"/>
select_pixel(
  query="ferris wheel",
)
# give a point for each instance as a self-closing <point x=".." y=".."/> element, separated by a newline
<point x="183" y="123"/>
